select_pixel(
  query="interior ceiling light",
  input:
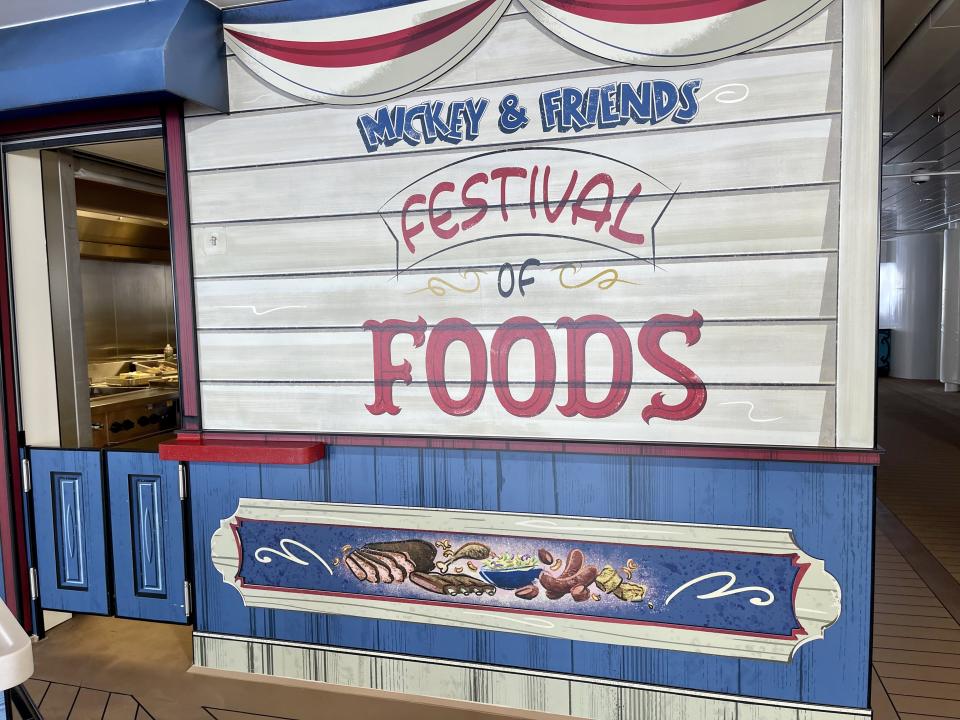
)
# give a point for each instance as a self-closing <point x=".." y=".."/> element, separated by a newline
<point x="937" y="115"/>
<point x="112" y="217"/>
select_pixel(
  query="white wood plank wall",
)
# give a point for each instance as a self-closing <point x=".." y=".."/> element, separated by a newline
<point x="304" y="253"/>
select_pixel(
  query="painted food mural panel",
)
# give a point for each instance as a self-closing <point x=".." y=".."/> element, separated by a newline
<point x="723" y="590"/>
<point x="580" y="250"/>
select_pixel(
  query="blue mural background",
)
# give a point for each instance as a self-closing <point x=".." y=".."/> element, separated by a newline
<point x="829" y="507"/>
<point x="661" y="571"/>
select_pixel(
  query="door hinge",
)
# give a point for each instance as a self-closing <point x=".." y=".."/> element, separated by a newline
<point x="187" y="609"/>
<point x="34" y="584"/>
<point x="25" y="473"/>
<point x="182" y="479"/>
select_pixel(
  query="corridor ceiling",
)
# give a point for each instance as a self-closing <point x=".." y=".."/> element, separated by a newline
<point x="921" y="116"/>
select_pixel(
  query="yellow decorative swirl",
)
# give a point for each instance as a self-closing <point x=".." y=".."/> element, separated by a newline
<point x="605" y="279"/>
<point x="439" y="287"/>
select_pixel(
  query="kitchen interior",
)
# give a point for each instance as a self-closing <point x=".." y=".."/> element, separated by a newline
<point x="114" y="335"/>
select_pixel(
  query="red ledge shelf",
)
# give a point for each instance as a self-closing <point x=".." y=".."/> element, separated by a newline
<point x="238" y="447"/>
<point x="191" y="448"/>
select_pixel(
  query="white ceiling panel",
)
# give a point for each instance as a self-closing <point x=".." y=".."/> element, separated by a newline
<point x="921" y="117"/>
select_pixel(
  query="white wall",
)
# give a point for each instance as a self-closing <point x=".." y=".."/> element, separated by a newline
<point x="31" y="289"/>
<point x="950" y="333"/>
<point x="910" y="304"/>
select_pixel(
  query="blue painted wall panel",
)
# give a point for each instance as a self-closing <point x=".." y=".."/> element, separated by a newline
<point x="147" y="543"/>
<point x="828" y="506"/>
<point x="71" y="530"/>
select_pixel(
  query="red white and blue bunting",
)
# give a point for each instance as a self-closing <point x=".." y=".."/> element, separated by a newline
<point x="375" y="50"/>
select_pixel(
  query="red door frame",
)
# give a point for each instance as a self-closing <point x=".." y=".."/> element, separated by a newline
<point x="13" y="555"/>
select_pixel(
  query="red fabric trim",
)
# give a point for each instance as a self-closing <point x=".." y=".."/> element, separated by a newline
<point x="364" y="51"/>
<point x="650" y="12"/>
<point x="701" y="452"/>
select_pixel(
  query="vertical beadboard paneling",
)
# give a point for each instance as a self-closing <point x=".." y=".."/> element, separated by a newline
<point x="828" y="507"/>
<point x="213" y="489"/>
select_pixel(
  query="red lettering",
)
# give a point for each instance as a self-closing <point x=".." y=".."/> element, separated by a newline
<point x="578" y="332"/>
<point x="471" y="202"/>
<point x="554" y="215"/>
<point x="598" y="217"/>
<point x="502" y="174"/>
<point x="436" y="221"/>
<point x="533" y="191"/>
<point x="545" y="365"/>
<point x="385" y="372"/>
<point x="616" y="230"/>
<point x="411" y="232"/>
<point x="443" y="335"/>
<point x="649" y="342"/>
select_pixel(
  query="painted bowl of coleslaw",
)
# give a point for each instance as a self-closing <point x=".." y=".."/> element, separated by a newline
<point x="510" y="572"/>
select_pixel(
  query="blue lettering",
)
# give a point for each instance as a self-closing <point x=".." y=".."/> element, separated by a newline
<point x="665" y="99"/>
<point x="455" y="123"/>
<point x="410" y="135"/>
<point x="571" y="112"/>
<point x="609" y="112"/>
<point x="591" y="105"/>
<point x="634" y="102"/>
<point x="433" y="125"/>
<point x="378" y="129"/>
<point x="550" y="109"/>
<point x="475" y="110"/>
<point x="689" y="105"/>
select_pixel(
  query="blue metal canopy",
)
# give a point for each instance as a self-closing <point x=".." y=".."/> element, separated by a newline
<point x="151" y="48"/>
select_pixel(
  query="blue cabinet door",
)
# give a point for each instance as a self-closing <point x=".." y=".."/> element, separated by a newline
<point x="146" y="517"/>
<point x="68" y="504"/>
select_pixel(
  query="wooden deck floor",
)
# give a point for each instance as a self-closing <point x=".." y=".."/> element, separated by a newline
<point x="916" y="644"/>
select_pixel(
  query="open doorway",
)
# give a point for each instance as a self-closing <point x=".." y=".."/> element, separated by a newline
<point x="98" y="388"/>
<point x="108" y="341"/>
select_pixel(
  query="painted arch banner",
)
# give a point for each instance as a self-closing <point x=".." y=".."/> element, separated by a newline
<point x="374" y="51"/>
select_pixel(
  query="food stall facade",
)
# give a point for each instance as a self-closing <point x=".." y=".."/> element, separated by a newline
<point x="533" y="361"/>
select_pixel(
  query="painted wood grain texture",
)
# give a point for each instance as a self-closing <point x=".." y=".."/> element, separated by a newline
<point x="556" y="694"/>
<point x="296" y="228"/>
<point x="752" y="155"/>
<point x="69" y="514"/>
<point x="639" y="293"/>
<point x="829" y="507"/>
<point x="749" y="87"/>
<point x="751" y="415"/>
<point x="518" y="38"/>
<point x="147" y="537"/>
<point x="777" y="221"/>
<point x="728" y="353"/>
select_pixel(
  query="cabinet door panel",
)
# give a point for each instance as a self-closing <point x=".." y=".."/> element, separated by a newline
<point x="71" y="534"/>
<point x="146" y="516"/>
